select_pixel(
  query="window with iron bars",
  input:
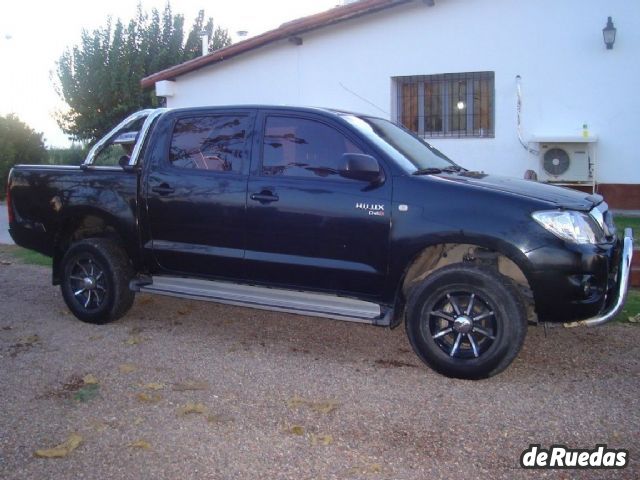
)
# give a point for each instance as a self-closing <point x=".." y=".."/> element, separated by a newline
<point x="450" y="105"/>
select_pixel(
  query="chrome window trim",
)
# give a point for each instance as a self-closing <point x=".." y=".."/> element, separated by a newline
<point x="150" y="113"/>
<point x="146" y="126"/>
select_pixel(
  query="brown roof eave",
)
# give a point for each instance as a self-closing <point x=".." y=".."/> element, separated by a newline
<point x="286" y="30"/>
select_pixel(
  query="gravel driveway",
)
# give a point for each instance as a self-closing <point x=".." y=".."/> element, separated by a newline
<point x="280" y="396"/>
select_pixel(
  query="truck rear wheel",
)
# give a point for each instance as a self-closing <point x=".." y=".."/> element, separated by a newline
<point x="466" y="321"/>
<point x="95" y="280"/>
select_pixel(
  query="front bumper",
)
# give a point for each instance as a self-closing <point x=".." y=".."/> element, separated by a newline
<point x="615" y="304"/>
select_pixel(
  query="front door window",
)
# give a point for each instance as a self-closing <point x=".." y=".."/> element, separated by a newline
<point x="298" y="147"/>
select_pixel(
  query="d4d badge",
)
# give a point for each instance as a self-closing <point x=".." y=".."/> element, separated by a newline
<point x="374" y="209"/>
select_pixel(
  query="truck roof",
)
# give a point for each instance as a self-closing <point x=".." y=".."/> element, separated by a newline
<point x="308" y="109"/>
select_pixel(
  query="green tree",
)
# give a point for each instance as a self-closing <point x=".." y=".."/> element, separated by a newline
<point x="99" y="78"/>
<point x="73" y="155"/>
<point x="19" y="143"/>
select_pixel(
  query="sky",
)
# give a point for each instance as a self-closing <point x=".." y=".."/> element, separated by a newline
<point x="33" y="35"/>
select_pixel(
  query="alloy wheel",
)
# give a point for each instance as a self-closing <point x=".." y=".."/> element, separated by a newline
<point x="87" y="282"/>
<point x="463" y="324"/>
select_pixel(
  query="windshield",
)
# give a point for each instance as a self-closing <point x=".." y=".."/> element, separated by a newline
<point x="410" y="152"/>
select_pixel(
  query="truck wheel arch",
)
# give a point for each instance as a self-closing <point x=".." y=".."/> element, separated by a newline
<point x="82" y="225"/>
<point x="437" y="256"/>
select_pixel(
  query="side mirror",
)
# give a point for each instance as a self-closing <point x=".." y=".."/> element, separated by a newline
<point x="357" y="166"/>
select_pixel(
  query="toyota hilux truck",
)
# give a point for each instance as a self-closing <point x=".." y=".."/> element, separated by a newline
<point x="321" y="213"/>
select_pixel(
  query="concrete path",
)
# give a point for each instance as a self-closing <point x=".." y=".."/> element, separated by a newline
<point x="4" y="225"/>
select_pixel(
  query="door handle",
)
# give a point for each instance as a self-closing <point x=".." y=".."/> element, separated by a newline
<point x="265" y="197"/>
<point x="163" y="189"/>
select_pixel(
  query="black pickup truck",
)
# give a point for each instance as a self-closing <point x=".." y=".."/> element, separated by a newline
<point x="323" y="213"/>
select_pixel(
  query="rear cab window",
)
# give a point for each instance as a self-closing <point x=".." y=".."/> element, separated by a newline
<point x="216" y="143"/>
<point x="120" y="145"/>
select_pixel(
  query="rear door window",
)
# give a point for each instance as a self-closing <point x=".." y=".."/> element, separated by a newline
<point x="300" y="147"/>
<point x="215" y="143"/>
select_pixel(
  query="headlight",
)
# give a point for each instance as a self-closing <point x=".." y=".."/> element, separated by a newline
<point x="569" y="225"/>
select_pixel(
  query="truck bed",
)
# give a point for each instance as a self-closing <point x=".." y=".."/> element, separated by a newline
<point x="42" y="198"/>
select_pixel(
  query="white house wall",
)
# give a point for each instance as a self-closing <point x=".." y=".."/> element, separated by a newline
<point x="568" y="77"/>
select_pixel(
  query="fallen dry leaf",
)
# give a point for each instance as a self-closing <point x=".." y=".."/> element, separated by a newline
<point x="153" y="386"/>
<point x="189" y="385"/>
<point x="127" y="368"/>
<point x="635" y="318"/>
<point x="141" y="444"/>
<point x="325" y="407"/>
<point x="90" y="379"/>
<point x="134" y="340"/>
<point x="138" y="420"/>
<point x="145" y="397"/>
<point x="62" y="450"/>
<point x="29" y="340"/>
<point x="218" y="418"/>
<point x="190" y="408"/>
<point x="99" y="426"/>
<point x="321" y="439"/>
<point x="296" y="430"/>
<point x="296" y="401"/>
<point x="96" y="337"/>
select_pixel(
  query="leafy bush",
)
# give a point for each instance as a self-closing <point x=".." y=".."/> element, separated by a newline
<point x="19" y="143"/>
<point x="74" y="155"/>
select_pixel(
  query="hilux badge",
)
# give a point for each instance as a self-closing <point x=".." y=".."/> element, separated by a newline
<point x="374" y="209"/>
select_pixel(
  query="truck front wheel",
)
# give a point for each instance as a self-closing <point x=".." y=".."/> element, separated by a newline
<point x="466" y="321"/>
<point x="95" y="280"/>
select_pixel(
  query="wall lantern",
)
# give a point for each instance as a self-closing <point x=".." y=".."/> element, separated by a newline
<point x="609" y="34"/>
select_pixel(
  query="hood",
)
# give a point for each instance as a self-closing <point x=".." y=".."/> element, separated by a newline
<point x="557" y="196"/>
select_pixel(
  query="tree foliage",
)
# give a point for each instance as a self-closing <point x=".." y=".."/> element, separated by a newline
<point x="73" y="155"/>
<point x="99" y="78"/>
<point x="18" y="144"/>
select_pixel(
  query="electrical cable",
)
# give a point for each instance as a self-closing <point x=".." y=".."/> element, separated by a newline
<point x="524" y="144"/>
<point x="362" y="98"/>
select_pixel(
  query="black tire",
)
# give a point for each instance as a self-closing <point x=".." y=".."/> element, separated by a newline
<point x="95" y="280"/>
<point x="488" y="337"/>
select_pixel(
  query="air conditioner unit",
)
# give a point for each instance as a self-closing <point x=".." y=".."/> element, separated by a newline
<point x="565" y="162"/>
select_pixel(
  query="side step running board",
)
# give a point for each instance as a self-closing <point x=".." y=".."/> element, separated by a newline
<point x="291" y="301"/>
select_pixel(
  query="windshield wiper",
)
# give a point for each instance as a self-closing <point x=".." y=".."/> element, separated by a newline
<point x="427" y="171"/>
<point x="435" y="170"/>
<point x="454" y="168"/>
